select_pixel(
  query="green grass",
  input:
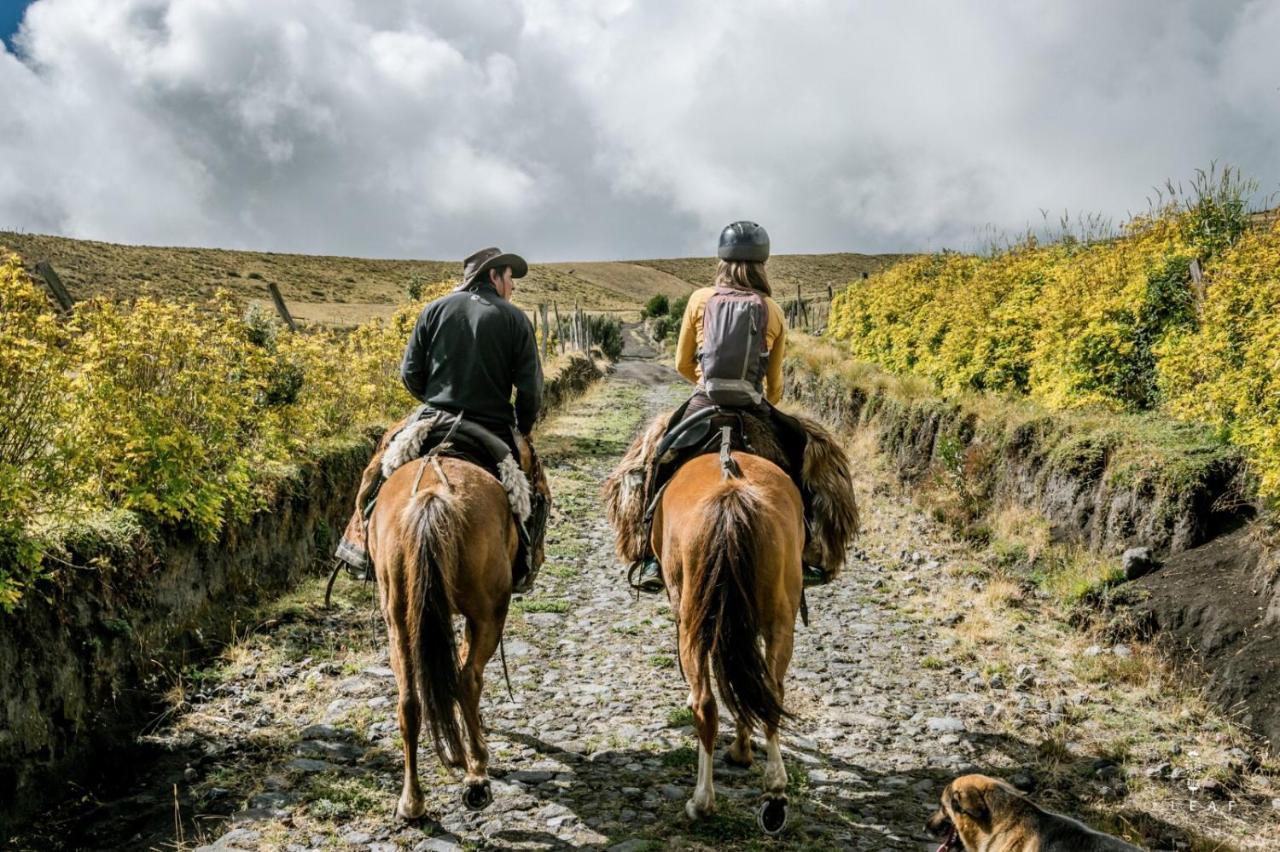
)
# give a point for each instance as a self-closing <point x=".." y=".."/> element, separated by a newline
<point x="531" y="605"/>
<point x="339" y="799"/>
<point x="684" y="757"/>
<point x="679" y="717"/>
<point x="662" y="661"/>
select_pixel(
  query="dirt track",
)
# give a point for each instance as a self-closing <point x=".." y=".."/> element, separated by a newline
<point x="291" y="742"/>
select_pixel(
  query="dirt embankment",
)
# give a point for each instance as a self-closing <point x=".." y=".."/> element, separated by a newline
<point x="1078" y="480"/>
<point x="1217" y="608"/>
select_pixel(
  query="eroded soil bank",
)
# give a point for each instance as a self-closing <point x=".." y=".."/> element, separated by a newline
<point x="923" y="661"/>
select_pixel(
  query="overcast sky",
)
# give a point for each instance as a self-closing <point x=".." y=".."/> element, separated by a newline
<point x="573" y="129"/>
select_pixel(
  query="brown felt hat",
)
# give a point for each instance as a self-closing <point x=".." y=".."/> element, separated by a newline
<point x="474" y="267"/>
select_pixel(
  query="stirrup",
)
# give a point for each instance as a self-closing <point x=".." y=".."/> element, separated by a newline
<point x="645" y="575"/>
<point x="814" y="575"/>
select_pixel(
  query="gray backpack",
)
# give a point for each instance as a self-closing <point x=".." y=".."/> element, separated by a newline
<point x="734" y="356"/>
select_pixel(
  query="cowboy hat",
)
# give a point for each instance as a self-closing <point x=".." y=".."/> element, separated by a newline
<point x="475" y="266"/>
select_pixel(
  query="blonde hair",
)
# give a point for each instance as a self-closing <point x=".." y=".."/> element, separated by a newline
<point x="743" y="275"/>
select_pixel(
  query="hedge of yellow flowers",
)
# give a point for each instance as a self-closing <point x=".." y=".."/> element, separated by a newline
<point x="176" y="415"/>
<point x="1116" y="324"/>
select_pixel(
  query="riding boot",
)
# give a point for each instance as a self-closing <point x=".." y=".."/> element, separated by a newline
<point x="531" y="552"/>
<point x="532" y="535"/>
<point x="645" y="575"/>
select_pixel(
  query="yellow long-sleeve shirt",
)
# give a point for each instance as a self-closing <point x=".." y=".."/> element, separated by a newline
<point x="690" y="341"/>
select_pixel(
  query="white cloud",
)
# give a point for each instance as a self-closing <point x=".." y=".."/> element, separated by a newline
<point x="583" y="129"/>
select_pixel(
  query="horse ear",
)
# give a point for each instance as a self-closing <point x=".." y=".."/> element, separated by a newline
<point x="972" y="803"/>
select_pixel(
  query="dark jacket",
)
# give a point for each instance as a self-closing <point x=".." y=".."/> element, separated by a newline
<point x="467" y="352"/>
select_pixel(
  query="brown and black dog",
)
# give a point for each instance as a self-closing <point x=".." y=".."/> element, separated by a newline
<point x="981" y="814"/>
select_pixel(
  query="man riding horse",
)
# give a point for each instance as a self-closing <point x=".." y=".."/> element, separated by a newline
<point x="469" y="350"/>
<point x="731" y="346"/>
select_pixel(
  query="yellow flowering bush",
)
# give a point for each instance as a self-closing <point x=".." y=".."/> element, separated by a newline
<point x="1113" y="324"/>
<point x="1226" y="370"/>
<point x="35" y="470"/>
<point x="177" y="415"/>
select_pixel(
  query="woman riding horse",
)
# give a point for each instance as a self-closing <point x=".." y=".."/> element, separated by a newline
<point x="728" y="527"/>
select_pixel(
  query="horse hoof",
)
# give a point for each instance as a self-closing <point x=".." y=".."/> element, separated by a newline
<point x="772" y="816"/>
<point x="695" y="812"/>
<point x="477" y="797"/>
<point x="411" y="811"/>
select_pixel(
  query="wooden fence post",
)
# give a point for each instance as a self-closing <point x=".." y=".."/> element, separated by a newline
<point x="546" y="331"/>
<point x="1197" y="282"/>
<point x="555" y="306"/>
<point x="51" y="280"/>
<point x="281" y="307"/>
<point x="537" y="349"/>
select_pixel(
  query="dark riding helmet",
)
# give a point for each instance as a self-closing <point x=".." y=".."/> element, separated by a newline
<point x="744" y="241"/>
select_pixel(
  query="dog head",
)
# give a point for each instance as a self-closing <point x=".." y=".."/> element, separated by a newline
<point x="972" y="807"/>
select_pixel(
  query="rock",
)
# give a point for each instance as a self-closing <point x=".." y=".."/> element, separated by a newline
<point x="1122" y="651"/>
<point x="946" y="725"/>
<point x="531" y="776"/>
<point x="323" y="750"/>
<point x="357" y="838"/>
<point x="437" y="844"/>
<point x="235" y="839"/>
<point x="324" y="732"/>
<point x="1093" y="651"/>
<point x="304" y="764"/>
<point x="1138" y="562"/>
<point x="635" y="844"/>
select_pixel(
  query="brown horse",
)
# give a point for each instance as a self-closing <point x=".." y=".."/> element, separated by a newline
<point x="442" y="540"/>
<point x="729" y="532"/>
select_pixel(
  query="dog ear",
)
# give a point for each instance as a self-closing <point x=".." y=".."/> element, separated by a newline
<point x="973" y="804"/>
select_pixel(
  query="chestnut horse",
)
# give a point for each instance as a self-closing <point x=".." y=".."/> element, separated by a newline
<point x="729" y="532"/>
<point x="443" y="541"/>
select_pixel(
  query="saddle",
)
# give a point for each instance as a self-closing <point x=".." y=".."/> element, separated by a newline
<point x="703" y="432"/>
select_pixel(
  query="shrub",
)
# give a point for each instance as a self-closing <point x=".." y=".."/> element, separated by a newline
<point x="36" y="458"/>
<point x="662" y="329"/>
<point x="678" y="307"/>
<point x="1225" y="370"/>
<point x="657" y="306"/>
<point x="170" y="400"/>
<point x="178" y="416"/>
<point x="1111" y="323"/>
<point x="606" y="332"/>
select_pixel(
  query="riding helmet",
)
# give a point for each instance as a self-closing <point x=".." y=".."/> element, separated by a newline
<point x="744" y="241"/>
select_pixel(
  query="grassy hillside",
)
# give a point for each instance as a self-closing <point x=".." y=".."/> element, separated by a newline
<point x="813" y="272"/>
<point x="350" y="290"/>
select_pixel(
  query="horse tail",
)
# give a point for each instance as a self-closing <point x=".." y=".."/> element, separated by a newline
<point x="725" y="622"/>
<point x="432" y="522"/>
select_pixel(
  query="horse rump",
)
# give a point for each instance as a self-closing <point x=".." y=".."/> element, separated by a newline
<point x="724" y="622"/>
<point x="433" y="523"/>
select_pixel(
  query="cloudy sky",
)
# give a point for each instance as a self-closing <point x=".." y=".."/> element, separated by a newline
<point x="581" y="129"/>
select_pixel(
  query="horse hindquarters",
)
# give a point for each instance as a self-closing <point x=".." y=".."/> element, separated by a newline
<point x="721" y="604"/>
<point x="414" y="543"/>
<point x="731" y="551"/>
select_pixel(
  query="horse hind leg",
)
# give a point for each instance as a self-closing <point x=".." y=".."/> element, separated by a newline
<point x="412" y="805"/>
<point x="772" y="815"/>
<point x="705" y="723"/>
<point x="482" y="640"/>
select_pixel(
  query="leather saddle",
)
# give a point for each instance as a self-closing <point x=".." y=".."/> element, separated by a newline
<point x="695" y="435"/>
